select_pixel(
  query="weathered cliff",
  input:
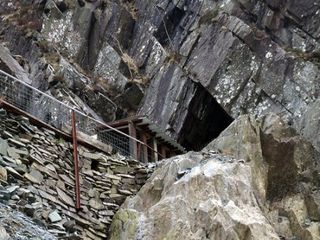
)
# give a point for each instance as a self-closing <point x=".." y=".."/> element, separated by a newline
<point x="257" y="180"/>
<point x="191" y="66"/>
<point x="194" y="63"/>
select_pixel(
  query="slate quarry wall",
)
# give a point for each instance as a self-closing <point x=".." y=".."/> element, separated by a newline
<point x="37" y="178"/>
<point x="180" y="63"/>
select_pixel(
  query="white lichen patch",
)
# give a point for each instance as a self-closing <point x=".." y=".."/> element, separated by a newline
<point x="298" y="42"/>
<point x="268" y="55"/>
<point x="254" y="66"/>
<point x="306" y="75"/>
<point x="233" y="78"/>
<point x="157" y="55"/>
<point x="263" y="107"/>
<point x="294" y="99"/>
<point x="54" y="29"/>
<point x="61" y="32"/>
<point x="107" y="67"/>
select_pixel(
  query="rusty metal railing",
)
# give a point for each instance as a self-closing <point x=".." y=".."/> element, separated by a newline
<point x="58" y="114"/>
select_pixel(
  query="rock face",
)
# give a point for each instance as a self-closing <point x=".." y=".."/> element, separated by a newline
<point x="308" y="125"/>
<point x="181" y="63"/>
<point x="257" y="180"/>
<point x="16" y="226"/>
<point x="37" y="178"/>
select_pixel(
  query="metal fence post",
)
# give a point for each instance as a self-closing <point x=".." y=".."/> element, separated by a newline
<point x="75" y="159"/>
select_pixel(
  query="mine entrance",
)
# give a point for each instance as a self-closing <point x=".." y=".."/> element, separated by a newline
<point x="206" y="119"/>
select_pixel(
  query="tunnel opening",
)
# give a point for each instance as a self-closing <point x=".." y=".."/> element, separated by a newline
<point x="205" y="120"/>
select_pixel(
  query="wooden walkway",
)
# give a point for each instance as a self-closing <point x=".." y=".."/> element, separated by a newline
<point x="141" y="128"/>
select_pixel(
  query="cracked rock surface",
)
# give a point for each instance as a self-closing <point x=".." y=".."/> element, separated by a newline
<point x="257" y="180"/>
<point x="180" y="63"/>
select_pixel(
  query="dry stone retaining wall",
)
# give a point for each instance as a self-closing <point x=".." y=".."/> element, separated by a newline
<point x="37" y="177"/>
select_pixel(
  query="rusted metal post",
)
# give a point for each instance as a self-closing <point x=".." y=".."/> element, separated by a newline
<point x="75" y="159"/>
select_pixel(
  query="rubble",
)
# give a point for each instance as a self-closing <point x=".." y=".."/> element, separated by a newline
<point x="37" y="178"/>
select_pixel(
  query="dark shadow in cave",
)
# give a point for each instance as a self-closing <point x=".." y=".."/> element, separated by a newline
<point x="206" y="119"/>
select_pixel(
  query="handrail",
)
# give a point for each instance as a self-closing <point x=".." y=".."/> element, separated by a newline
<point x="75" y="161"/>
<point x="80" y="113"/>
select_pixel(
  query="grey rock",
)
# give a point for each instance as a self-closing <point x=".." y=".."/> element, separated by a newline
<point x="64" y="197"/>
<point x="3" y="234"/>
<point x="16" y="142"/>
<point x="96" y="204"/>
<point x="34" y="176"/>
<point x="93" y="156"/>
<point x="9" y="160"/>
<point x="9" y="63"/>
<point x="20" y="226"/>
<point x="54" y="217"/>
<point x="12" y="189"/>
<point x="7" y="134"/>
<point x="15" y="197"/>
<point x="309" y="124"/>
<point x="3" y="174"/>
<point x="13" y="153"/>
<point x="13" y="172"/>
<point x="278" y="163"/>
<point x="29" y="210"/>
<point x="69" y="225"/>
<point x="3" y="147"/>
<point x="185" y="100"/>
<point x="5" y="195"/>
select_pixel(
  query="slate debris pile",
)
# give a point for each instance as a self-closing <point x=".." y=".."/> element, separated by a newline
<point x="15" y="225"/>
<point x="36" y="176"/>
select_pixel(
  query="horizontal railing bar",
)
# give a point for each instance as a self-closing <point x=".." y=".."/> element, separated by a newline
<point x="81" y="113"/>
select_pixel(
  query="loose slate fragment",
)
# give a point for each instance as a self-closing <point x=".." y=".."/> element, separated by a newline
<point x="64" y="197"/>
<point x="3" y="147"/>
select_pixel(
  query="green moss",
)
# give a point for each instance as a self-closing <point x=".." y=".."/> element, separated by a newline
<point x="124" y="225"/>
<point x="171" y="235"/>
<point x="60" y="141"/>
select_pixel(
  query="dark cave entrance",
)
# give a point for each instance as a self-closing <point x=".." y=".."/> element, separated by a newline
<point x="206" y="119"/>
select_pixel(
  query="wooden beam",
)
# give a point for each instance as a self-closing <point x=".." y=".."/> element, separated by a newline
<point x="144" y="147"/>
<point x="163" y="151"/>
<point x="155" y="148"/>
<point x="125" y="121"/>
<point x="133" y="143"/>
<point x="139" y="151"/>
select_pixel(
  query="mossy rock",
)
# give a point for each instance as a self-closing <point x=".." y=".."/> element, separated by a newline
<point x="124" y="225"/>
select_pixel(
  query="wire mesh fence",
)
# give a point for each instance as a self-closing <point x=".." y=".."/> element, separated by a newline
<point x="58" y="114"/>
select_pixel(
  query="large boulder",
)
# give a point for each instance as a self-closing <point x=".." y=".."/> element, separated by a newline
<point x="257" y="180"/>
